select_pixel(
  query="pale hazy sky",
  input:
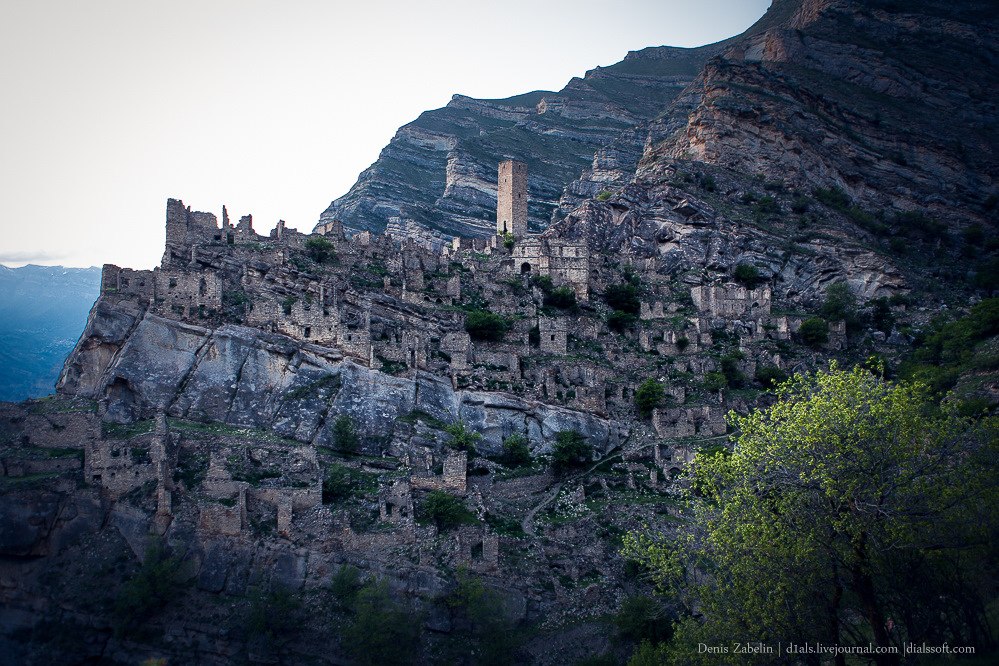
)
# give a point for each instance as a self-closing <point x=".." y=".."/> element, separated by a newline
<point x="109" y="107"/>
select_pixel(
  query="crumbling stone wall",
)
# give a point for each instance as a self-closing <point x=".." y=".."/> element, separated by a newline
<point x="731" y="300"/>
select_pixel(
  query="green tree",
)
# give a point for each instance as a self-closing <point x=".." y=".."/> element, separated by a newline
<point x="486" y="325"/>
<point x="321" y="250"/>
<point x="619" y="320"/>
<point x="463" y="438"/>
<point x="649" y="395"/>
<point x="445" y="510"/>
<point x="563" y="298"/>
<point x="383" y="632"/>
<point x="623" y="297"/>
<point x="845" y="509"/>
<point x="148" y="590"/>
<point x="814" y="332"/>
<point x="478" y="612"/>
<point x="337" y="484"/>
<point x="344" y="434"/>
<point x="748" y="275"/>
<point x="516" y="450"/>
<point x="840" y="304"/>
<point x="570" y="449"/>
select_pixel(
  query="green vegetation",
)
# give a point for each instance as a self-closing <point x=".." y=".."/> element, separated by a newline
<point x="344" y="434"/>
<point x="770" y="376"/>
<point x="946" y="349"/>
<point x="840" y="305"/>
<point x="390" y="367"/>
<point x="485" y="325"/>
<point x="604" y="196"/>
<point x="643" y="619"/>
<point x="563" y="298"/>
<point x="570" y="450"/>
<point x="849" y="503"/>
<point x="509" y="240"/>
<point x="649" y="395"/>
<point x="463" y="438"/>
<point x="542" y="282"/>
<point x="814" y="332"/>
<point x="445" y="511"/>
<point x="619" y="320"/>
<point x="482" y="620"/>
<point x="287" y="303"/>
<point x="321" y="250"/>
<point x="147" y="591"/>
<point x="748" y="275"/>
<point x="342" y="483"/>
<point x="273" y="617"/>
<point x="383" y="632"/>
<point x="516" y="451"/>
<point x="623" y="297"/>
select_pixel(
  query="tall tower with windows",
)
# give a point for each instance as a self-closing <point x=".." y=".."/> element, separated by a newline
<point x="511" y="199"/>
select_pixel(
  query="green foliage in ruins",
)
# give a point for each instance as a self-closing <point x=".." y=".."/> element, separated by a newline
<point x="852" y="511"/>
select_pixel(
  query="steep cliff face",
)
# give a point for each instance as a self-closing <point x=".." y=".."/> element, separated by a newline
<point x="888" y="101"/>
<point x="437" y="176"/>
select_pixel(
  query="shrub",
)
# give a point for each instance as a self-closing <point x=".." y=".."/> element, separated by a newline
<point x="730" y="368"/>
<point x="147" y="591"/>
<point x="383" y="632"/>
<point x="542" y="282"/>
<point x="446" y="510"/>
<point x="748" y="275"/>
<point x="345" y="585"/>
<point x="770" y="376"/>
<point x="463" y="438"/>
<point x="814" y="332"/>
<point x="642" y="619"/>
<point x="338" y="484"/>
<point x="344" y="434"/>
<point x="509" y="240"/>
<point x="833" y="197"/>
<point x="320" y="251"/>
<point x="623" y="297"/>
<point x="604" y="196"/>
<point x="682" y="343"/>
<point x="840" y="304"/>
<point x="715" y="381"/>
<point x="563" y="297"/>
<point x="516" y="451"/>
<point x="486" y="325"/>
<point x="570" y="449"/>
<point x="649" y="396"/>
<point x="272" y="617"/>
<point x="619" y="320"/>
<point x="767" y="206"/>
<point x="708" y="183"/>
<point x="800" y="205"/>
<point x="881" y="315"/>
<point x="534" y="336"/>
<point x="287" y="303"/>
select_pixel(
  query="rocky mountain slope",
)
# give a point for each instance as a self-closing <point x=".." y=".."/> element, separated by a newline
<point x="436" y="178"/>
<point x="363" y="434"/>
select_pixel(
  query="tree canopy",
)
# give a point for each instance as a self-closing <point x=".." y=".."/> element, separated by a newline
<point x="850" y="512"/>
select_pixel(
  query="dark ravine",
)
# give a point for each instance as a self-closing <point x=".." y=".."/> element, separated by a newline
<point x="199" y="410"/>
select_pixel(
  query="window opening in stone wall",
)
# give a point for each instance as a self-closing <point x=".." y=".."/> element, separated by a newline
<point x="525" y="268"/>
<point x="307" y="332"/>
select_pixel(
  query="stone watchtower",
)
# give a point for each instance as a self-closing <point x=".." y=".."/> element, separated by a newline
<point x="511" y="199"/>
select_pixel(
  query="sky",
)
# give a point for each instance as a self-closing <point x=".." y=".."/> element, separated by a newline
<point x="109" y="107"/>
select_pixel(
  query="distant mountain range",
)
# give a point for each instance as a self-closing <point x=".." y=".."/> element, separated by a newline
<point x="43" y="310"/>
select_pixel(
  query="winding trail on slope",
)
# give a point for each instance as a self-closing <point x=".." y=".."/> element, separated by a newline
<point x="528" y="523"/>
